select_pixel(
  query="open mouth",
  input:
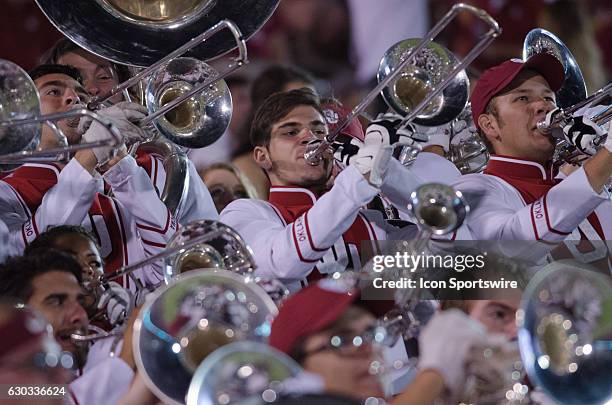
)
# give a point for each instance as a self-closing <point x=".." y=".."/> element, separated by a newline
<point x="64" y="336"/>
<point x="73" y="122"/>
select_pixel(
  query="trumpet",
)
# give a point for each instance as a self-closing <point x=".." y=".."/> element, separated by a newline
<point x="439" y="210"/>
<point x="409" y="52"/>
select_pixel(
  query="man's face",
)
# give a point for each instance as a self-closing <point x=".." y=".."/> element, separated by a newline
<point x="346" y="371"/>
<point x="86" y="253"/>
<point x="498" y="316"/>
<point x="98" y="74"/>
<point x="284" y="160"/>
<point x="57" y="295"/>
<point x="60" y="93"/>
<point x="224" y="187"/>
<point x="514" y="132"/>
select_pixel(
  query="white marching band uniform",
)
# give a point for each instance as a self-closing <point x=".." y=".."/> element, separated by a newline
<point x="198" y="203"/>
<point x="105" y="381"/>
<point x="502" y="212"/>
<point x="130" y="226"/>
<point x="326" y="232"/>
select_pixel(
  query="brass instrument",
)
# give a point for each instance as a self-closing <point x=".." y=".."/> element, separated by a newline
<point x="225" y="249"/>
<point x="190" y="318"/>
<point x="468" y="153"/>
<point x="414" y="76"/>
<point x="438" y="210"/>
<point x="176" y="166"/>
<point x="156" y="34"/>
<point x="241" y="372"/>
<point x="571" y="97"/>
<point x="565" y="333"/>
<point x="21" y="121"/>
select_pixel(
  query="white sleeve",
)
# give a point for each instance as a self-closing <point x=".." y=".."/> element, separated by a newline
<point x="66" y="203"/>
<point x="551" y="218"/>
<point x="7" y="247"/>
<point x="198" y="203"/>
<point x="289" y="252"/>
<point x="13" y="210"/>
<point x="102" y="384"/>
<point x="133" y="188"/>
<point x="400" y="181"/>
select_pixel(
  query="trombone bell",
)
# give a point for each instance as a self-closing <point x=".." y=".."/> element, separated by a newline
<point x="419" y="78"/>
<point x="202" y="256"/>
<point x="184" y="115"/>
<point x="411" y="90"/>
<point x="199" y="343"/>
<point x="198" y="121"/>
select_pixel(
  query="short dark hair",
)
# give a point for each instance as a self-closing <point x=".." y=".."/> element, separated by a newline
<point x="64" y="46"/>
<point x="48" y="239"/>
<point x="276" y="107"/>
<point x="43" y="70"/>
<point x="274" y="79"/>
<point x="17" y="273"/>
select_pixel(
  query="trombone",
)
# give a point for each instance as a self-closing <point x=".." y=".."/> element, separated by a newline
<point x="571" y="97"/>
<point x="18" y="99"/>
<point x="564" y="115"/>
<point x="62" y="152"/>
<point x="173" y="66"/>
<point x="199" y="137"/>
<point x="316" y="149"/>
<point x="230" y="251"/>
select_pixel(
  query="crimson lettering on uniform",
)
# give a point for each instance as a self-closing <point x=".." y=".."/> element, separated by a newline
<point x="28" y="229"/>
<point x="538" y="209"/>
<point x="300" y="229"/>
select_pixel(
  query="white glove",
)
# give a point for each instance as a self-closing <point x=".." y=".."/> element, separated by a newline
<point x="345" y="149"/>
<point x="381" y="136"/>
<point x="118" y="301"/>
<point x="436" y="136"/>
<point x="123" y="115"/>
<point x="580" y="132"/>
<point x="444" y="345"/>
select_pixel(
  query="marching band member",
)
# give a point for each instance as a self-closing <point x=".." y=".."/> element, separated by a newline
<point x="49" y="282"/>
<point x="130" y="225"/>
<point x="304" y="225"/>
<point x="317" y="327"/>
<point x="99" y="77"/>
<point x="519" y="195"/>
<point x="111" y="298"/>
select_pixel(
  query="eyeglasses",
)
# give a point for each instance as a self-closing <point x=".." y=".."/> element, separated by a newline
<point x="353" y="344"/>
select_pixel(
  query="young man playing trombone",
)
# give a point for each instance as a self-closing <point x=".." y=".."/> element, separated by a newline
<point x="314" y="224"/>
<point x="99" y="77"/>
<point x="129" y="226"/>
<point x="520" y="195"/>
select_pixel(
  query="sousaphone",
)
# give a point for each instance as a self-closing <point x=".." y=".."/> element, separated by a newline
<point x="141" y="32"/>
